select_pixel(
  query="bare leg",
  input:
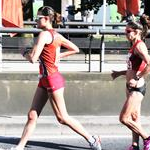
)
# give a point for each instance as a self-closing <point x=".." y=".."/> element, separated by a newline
<point x="38" y="103"/>
<point x="59" y="107"/>
<point x="135" y="136"/>
<point x="135" y="139"/>
<point x="130" y="112"/>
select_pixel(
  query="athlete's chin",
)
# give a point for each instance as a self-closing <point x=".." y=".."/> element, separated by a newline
<point x="39" y="27"/>
<point x="129" y="39"/>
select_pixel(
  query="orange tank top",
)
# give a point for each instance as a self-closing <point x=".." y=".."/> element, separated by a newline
<point x="49" y="57"/>
<point x="134" y="61"/>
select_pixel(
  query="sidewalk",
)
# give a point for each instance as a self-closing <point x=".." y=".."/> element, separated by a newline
<point x="48" y="126"/>
<point x="16" y="63"/>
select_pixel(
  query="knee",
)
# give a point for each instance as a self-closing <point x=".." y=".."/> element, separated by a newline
<point x="124" y="119"/>
<point x="32" y="116"/>
<point x="135" y="116"/>
<point x="63" y="119"/>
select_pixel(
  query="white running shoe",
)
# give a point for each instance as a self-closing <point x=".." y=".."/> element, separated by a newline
<point x="97" y="143"/>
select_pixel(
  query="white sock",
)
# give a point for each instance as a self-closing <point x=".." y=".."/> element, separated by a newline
<point x="91" y="140"/>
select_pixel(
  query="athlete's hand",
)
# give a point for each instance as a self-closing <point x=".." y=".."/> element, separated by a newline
<point x="115" y="74"/>
<point x="24" y="51"/>
<point x="133" y="83"/>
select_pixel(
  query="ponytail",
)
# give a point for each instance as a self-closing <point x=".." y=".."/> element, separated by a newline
<point x="143" y="24"/>
<point x="144" y="20"/>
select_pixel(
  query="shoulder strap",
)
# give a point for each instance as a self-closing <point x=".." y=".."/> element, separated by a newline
<point x="52" y="33"/>
<point x="134" y="45"/>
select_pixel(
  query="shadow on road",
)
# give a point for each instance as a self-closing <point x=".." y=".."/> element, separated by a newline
<point x="41" y="144"/>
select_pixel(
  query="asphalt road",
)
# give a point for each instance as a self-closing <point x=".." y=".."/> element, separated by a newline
<point x="68" y="143"/>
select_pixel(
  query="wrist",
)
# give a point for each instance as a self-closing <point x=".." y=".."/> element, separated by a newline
<point x="137" y="77"/>
<point x="25" y="51"/>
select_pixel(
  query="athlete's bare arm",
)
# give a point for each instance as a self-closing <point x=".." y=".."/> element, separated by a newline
<point x="142" y="51"/>
<point x="116" y="74"/>
<point x="43" y="38"/>
<point x="72" y="48"/>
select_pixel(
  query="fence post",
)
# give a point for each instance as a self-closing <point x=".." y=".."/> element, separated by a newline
<point x="102" y="39"/>
<point x="90" y="44"/>
<point x="102" y="51"/>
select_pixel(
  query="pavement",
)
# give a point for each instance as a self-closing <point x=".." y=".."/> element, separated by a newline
<point x="68" y="143"/>
<point x="48" y="126"/>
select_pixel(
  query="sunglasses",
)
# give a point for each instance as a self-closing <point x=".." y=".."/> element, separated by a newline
<point x="129" y="31"/>
<point x="39" y="17"/>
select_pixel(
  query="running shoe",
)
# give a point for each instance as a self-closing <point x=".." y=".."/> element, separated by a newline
<point x="97" y="144"/>
<point x="147" y="144"/>
<point x="134" y="148"/>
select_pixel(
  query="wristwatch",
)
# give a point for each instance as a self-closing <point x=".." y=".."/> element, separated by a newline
<point x="25" y="51"/>
<point x="137" y="77"/>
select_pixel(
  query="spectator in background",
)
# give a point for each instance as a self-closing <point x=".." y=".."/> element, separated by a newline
<point x="88" y="16"/>
<point x="128" y="9"/>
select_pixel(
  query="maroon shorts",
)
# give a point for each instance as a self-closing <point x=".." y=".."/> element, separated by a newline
<point x="52" y="82"/>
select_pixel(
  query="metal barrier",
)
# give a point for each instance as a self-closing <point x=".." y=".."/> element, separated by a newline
<point x="90" y="32"/>
<point x="94" y="24"/>
<point x="76" y="23"/>
<point x="34" y="30"/>
<point x="62" y="31"/>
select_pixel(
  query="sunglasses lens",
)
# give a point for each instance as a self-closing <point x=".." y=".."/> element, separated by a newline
<point x="129" y="31"/>
<point x="38" y="18"/>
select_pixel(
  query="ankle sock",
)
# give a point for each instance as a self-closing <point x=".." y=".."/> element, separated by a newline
<point x="91" y="140"/>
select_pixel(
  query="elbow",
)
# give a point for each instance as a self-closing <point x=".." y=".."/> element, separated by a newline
<point x="32" y="60"/>
<point x="77" y="51"/>
<point x="148" y="67"/>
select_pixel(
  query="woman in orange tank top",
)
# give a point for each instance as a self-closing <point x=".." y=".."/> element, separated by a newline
<point x="51" y="83"/>
<point x="138" y="67"/>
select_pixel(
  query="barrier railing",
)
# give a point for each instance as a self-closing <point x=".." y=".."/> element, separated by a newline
<point x="62" y="31"/>
<point x="93" y="24"/>
<point x="90" y="32"/>
<point x="76" y="23"/>
<point x="34" y="30"/>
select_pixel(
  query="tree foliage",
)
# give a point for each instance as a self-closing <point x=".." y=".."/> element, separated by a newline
<point x="95" y="4"/>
